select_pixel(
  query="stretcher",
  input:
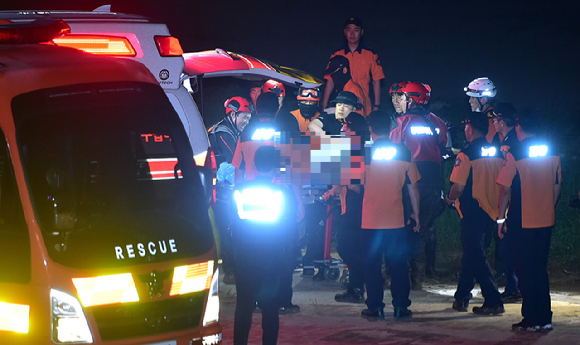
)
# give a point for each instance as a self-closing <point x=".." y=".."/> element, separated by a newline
<point x="329" y="265"/>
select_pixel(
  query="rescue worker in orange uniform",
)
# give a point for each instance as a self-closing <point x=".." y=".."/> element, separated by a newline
<point x="349" y="235"/>
<point x="308" y="105"/>
<point x="531" y="181"/>
<point x="257" y="134"/>
<point x="383" y="219"/>
<point x="255" y="91"/>
<point x="426" y="135"/>
<point x="266" y="214"/>
<point x="286" y="122"/>
<point x="475" y="194"/>
<point x="504" y="121"/>
<point x="364" y="63"/>
<point x="339" y="70"/>
<point x="481" y="92"/>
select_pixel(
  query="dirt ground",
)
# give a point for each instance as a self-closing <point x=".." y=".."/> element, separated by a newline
<point x="325" y="321"/>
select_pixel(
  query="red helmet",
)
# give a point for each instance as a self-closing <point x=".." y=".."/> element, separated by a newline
<point x="237" y="104"/>
<point x="421" y="93"/>
<point x="308" y="94"/>
<point x="275" y="87"/>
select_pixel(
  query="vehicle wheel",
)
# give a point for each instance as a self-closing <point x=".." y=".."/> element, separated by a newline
<point x="331" y="274"/>
<point x="345" y="278"/>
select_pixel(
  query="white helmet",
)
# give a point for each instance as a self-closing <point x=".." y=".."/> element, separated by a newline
<point x="480" y="87"/>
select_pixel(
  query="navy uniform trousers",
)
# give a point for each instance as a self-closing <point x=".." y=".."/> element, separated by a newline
<point x="476" y="229"/>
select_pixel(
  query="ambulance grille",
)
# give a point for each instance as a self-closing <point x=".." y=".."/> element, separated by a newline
<point x="141" y="319"/>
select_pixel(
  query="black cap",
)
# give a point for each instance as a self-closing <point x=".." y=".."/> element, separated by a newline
<point x="478" y="120"/>
<point x="357" y="122"/>
<point x="336" y="63"/>
<point x="353" y="20"/>
<point x="348" y="97"/>
<point x="380" y="122"/>
<point x="504" y="110"/>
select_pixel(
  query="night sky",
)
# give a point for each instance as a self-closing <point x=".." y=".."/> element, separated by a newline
<point x="529" y="49"/>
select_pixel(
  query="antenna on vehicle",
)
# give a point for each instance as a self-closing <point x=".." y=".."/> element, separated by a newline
<point x="104" y="8"/>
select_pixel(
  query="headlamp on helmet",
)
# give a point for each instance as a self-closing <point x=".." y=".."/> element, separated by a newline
<point x="480" y="87"/>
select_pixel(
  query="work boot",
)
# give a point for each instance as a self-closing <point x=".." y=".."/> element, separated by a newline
<point x="402" y="314"/>
<point x="350" y="296"/>
<point x="487" y="310"/>
<point x="289" y="309"/>
<point x="513" y="297"/>
<point x="460" y="305"/>
<point x="524" y="325"/>
<point x="372" y="315"/>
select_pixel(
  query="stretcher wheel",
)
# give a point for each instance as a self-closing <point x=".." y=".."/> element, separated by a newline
<point x="331" y="274"/>
<point x="345" y="278"/>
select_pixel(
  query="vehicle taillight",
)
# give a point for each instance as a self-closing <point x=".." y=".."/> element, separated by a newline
<point x="168" y="46"/>
<point x="39" y="31"/>
<point x="98" y="44"/>
<point x="211" y="163"/>
<point x="200" y="158"/>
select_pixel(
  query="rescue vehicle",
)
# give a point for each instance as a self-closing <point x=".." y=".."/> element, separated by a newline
<point x="148" y="41"/>
<point x="105" y="236"/>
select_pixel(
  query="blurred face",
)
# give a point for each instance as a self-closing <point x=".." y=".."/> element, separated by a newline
<point x="242" y="119"/>
<point x="474" y="103"/>
<point x="254" y="93"/>
<point x="468" y="132"/>
<point x="342" y="110"/>
<point x="399" y="102"/>
<point x="353" y="33"/>
<point x="497" y="124"/>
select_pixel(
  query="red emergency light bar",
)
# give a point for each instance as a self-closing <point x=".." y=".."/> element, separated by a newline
<point x="98" y="44"/>
<point x="38" y="31"/>
<point x="168" y="46"/>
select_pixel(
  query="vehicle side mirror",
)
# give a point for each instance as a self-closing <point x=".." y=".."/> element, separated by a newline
<point x="206" y="177"/>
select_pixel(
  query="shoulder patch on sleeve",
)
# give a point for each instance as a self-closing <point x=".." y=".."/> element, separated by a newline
<point x="458" y="162"/>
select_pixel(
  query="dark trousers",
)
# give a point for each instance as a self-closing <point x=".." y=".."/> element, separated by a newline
<point x="476" y="228"/>
<point x="223" y="223"/>
<point x="287" y="268"/>
<point x="532" y="247"/>
<point x="314" y="232"/>
<point x="257" y="280"/>
<point x="507" y="253"/>
<point x="431" y="207"/>
<point x="394" y="241"/>
<point x="498" y="258"/>
<point x="349" y="248"/>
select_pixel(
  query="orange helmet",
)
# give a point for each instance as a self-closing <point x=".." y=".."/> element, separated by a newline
<point x="237" y="104"/>
<point x="275" y="87"/>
